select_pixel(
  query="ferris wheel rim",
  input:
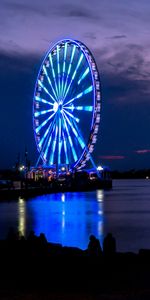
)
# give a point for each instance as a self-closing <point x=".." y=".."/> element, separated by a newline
<point x="83" y="48"/>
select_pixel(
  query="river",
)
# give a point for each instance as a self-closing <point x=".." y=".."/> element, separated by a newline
<point x="69" y="218"/>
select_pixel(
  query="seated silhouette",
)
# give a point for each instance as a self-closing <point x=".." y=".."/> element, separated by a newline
<point x="32" y="237"/>
<point x="109" y="244"/>
<point x="94" y="247"/>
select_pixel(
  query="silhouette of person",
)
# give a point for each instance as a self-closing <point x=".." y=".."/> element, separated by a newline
<point x="42" y="239"/>
<point x="109" y="244"/>
<point x="32" y="237"/>
<point x="94" y="247"/>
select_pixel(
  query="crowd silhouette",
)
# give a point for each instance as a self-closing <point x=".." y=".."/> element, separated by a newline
<point x="40" y="243"/>
<point x="31" y="262"/>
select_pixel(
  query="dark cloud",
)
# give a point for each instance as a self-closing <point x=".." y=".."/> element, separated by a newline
<point x="121" y="36"/>
<point x="127" y="73"/>
<point x="25" y="8"/>
<point x="75" y="11"/>
<point x="90" y="35"/>
<point x="17" y="62"/>
<point x="125" y="117"/>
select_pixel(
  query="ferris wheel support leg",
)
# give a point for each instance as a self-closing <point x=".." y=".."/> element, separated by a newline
<point x="93" y="163"/>
<point x="37" y="163"/>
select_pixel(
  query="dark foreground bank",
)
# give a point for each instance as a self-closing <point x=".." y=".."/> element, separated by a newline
<point x="40" y="270"/>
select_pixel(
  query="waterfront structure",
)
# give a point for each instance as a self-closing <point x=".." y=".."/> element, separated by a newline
<point x="66" y="106"/>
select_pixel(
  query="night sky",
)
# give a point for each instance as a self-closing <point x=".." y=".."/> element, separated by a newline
<point x="118" y="34"/>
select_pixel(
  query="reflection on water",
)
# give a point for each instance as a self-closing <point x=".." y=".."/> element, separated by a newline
<point x="22" y="216"/>
<point x="69" y="218"/>
<point x="100" y="198"/>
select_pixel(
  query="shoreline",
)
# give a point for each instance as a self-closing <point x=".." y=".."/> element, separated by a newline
<point x="10" y="194"/>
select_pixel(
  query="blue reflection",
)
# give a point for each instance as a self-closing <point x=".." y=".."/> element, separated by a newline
<point x="69" y="218"/>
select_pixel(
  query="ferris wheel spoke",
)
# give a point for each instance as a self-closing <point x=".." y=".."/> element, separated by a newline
<point x="43" y="112"/>
<point x="49" y="142"/>
<point x="44" y="123"/>
<point x="47" y="133"/>
<point x="86" y="91"/>
<point x="59" y="140"/>
<point x="69" y="68"/>
<point x="42" y="148"/>
<point x="70" y="139"/>
<point x="49" y="81"/>
<point x="86" y="148"/>
<point x="50" y="138"/>
<point x="43" y="138"/>
<point x="53" y="73"/>
<point x="83" y="75"/>
<point x="51" y="161"/>
<point x="74" y="74"/>
<point x="79" y="133"/>
<point x="65" y="149"/>
<point x="81" y="108"/>
<point x="47" y="148"/>
<point x="46" y="90"/>
<point x="71" y="124"/>
<point x="71" y="115"/>
<point x="64" y="68"/>
<point x="37" y="98"/>
<point x="58" y="70"/>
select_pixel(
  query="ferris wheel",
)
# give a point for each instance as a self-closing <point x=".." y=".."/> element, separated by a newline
<point x="67" y="105"/>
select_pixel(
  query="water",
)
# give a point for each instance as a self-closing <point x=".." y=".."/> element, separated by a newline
<point x="69" y="218"/>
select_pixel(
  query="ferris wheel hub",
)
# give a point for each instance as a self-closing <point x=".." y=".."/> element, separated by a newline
<point x="55" y="106"/>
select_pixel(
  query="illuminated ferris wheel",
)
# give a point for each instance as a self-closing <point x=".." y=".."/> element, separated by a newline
<point x="66" y="105"/>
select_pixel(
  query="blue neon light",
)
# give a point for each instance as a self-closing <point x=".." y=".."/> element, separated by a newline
<point x="54" y="147"/>
<point x="36" y="114"/>
<point x="43" y="138"/>
<point x="65" y="149"/>
<point x="88" y="90"/>
<point x="43" y="100"/>
<point x="59" y="142"/>
<point x="58" y="69"/>
<point x="74" y="74"/>
<point x="46" y="90"/>
<point x="69" y="68"/>
<point x="52" y="126"/>
<point x="53" y="72"/>
<point x="84" y="75"/>
<point x="47" y="148"/>
<point x="64" y="68"/>
<point x="70" y="140"/>
<point x="44" y="123"/>
<point x="47" y="132"/>
<point x="85" y="108"/>
<point x="82" y="144"/>
<point x="72" y="116"/>
<point x="49" y="81"/>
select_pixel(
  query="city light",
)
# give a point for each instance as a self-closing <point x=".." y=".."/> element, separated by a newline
<point x="22" y="168"/>
<point x="100" y="168"/>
